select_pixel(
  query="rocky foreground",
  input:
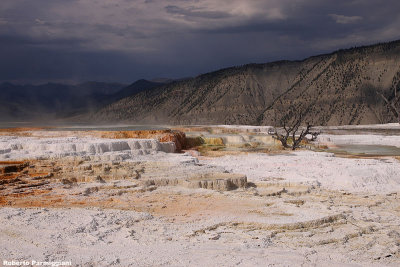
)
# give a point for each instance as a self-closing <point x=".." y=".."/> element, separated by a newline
<point x="231" y="197"/>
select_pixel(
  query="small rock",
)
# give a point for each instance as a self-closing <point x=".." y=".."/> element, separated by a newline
<point x="215" y="237"/>
<point x="100" y="180"/>
<point x="90" y="190"/>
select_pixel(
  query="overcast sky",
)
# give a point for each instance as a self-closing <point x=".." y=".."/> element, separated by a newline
<point x="125" y="40"/>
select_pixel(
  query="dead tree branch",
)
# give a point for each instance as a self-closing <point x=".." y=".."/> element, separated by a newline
<point x="314" y="135"/>
<point x="292" y="132"/>
<point x="392" y="104"/>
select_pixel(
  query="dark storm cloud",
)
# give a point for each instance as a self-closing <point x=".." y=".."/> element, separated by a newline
<point x="24" y="41"/>
<point x="124" y="40"/>
<point x="193" y="12"/>
<point x="341" y="19"/>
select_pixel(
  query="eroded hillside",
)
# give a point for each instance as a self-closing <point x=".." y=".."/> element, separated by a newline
<point x="334" y="89"/>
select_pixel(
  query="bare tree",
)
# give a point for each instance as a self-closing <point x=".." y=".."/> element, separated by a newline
<point x="290" y="135"/>
<point x="291" y="132"/>
<point x="293" y="122"/>
<point x="392" y="104"/>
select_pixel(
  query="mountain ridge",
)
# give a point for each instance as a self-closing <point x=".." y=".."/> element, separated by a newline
<point x="336" y="88"/>
<point x="51" y="101"/>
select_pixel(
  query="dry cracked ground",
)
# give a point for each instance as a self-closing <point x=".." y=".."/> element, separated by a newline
<point x="233" y="198"/>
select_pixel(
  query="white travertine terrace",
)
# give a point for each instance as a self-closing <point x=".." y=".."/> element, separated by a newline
<point x="367" y="139"/>
<point x="319" y="169"/>
<point x="243" y="138"/>
<point x="135" y="205"/>
<point x="31" y="147"/>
